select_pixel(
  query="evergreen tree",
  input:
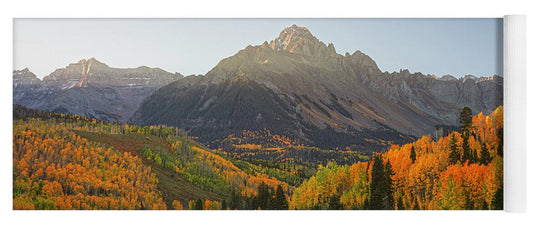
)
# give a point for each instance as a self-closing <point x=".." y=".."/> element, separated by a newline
<point x="380" y="185"/>
<point x="199" y="205"/>
<point x="263" y="197"/>
<point x="485" y="206"/>
<point x="250" y="203"/>
<point x="389" y="200"/>
<point x="224" y="205"/>
<point x="235" y="201"/>
<point x="376" y="190"/>
<point x="466" y="122"/>
<point x="500" y="143"/>
<point x="465" y="119"/>
<point x="454" y="156"/>
<point x="467" y="152"/>
<point x="334" y="203"/>
<point x="399" y="204"/>
<point x="280" y="200"/>
<point x="475" y="157"/>
<point x="484" y="157"/>
<point x="413" y="154"/>
<point x="416" y="206"/>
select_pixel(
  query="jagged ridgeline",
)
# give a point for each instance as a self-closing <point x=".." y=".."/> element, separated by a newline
<point x="294" y="86"/>
<point x="65" y="161"/>
<point x="297" y="87"/>
<point x="90" y="88"/>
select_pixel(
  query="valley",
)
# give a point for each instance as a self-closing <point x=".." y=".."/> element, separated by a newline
<point x="287" y="124"/>
<point x="54" y="154"/>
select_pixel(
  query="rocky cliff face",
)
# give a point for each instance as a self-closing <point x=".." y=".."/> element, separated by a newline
<point x="297" y="86"/>
<point x="294" y="85"/>
<point x="25" y="78"/>
<point x="442" y="97"/>
<point x="92" y="72"/>
<point x="91" y="88"/>
<point x="24" y="82"/>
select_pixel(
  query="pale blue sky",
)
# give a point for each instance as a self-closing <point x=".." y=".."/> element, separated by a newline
<point x="194" y="46"/>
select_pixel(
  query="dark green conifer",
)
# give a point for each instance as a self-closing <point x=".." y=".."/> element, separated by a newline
<point x="467" y="152"/>
<point x="263" y="197"/>
<point x="413" y="154"/>
<point x="500" y="143"/>
<point x="466" y="119"/>
<point x="454" y="156"/>
<point x="280" y="200"/>
<point x="199" y="205"/>
<point x="334" y="203"/>
<point x="484" y="157"/>
<point x="224" y="205"/>
<point x="381" y="185"/>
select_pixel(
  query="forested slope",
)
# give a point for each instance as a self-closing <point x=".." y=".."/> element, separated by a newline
<point x="460" y="171"/>
<point x="71" y="162"/>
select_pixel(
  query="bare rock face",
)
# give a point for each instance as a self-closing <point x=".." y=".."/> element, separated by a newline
<point x="294" y="85"/>
<point x="91" y="88"/>
<point x="442" y="97"/>
<point x="298" y="40"/>
<point x="297" y="86"/>
<point x="25" y="77"/>
<point x="91" y="72"/>
<point x="24" y="82"/>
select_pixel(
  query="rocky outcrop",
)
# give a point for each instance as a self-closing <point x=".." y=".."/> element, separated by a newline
<point x="94" y="73"/>
<point x="295" y="85"/>
<point x="442" y="97"/>
<point x="24" y="83"/>
<point x="91" y="88"/>
<point x="298" y="40"/>
<point x="25" y="77"/>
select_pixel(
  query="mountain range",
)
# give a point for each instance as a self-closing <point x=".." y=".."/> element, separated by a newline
<point x="293" y="86"/>
<point x="90" y="88"/>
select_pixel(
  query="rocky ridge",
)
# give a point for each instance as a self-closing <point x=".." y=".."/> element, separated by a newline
<point x="296" y="85"/>
<point x="90" y="88"/>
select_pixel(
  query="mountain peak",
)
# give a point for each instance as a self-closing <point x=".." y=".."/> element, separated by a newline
<point x="24" y="77"/>
<point x="469" y="77"/>
<point x="24" y="71"/>
<point x="296" y="30"/>
<point x="448" y="77"/>
<point x="299" y="40"/>
<point x="91" y="61"/>
<point x="291" y="37"/>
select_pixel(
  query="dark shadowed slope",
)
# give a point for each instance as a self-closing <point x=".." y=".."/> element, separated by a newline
<point x="299" y="87"/>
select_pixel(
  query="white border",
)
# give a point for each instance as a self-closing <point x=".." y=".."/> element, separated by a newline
<point x="514" y="71"/>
